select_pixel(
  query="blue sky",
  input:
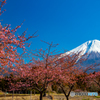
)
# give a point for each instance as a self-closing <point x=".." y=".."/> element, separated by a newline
<point x="66" y="22"/>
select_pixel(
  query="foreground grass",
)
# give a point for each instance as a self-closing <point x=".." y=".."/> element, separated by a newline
<point x="36" y="97"/>
<point x="19" y="98"/>
<point x="44" y="98"/>
<point x="97" y="96"/>
<point x="1" y="93"/>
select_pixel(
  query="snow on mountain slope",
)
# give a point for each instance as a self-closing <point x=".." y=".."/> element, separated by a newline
<point x="92" y="50"/>
<point x="87" y="47"/>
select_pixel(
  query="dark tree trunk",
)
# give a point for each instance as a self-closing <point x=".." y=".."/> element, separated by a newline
<point x="97" y="83"/>
<point x="41" y="95"/>
<point x="67" y="96"/>
<point x="64" y="93"/>
<point x="44" y="94"/>
<point x="41" y="91"/>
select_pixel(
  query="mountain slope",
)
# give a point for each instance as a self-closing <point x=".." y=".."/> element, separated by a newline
<point x="87" y="47"/>
<point x="91" y="49"/>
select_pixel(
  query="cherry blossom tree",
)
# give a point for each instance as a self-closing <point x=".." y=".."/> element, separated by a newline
<point x="69" y="73"/>
<point x="94" y="78"/>
<point x="42" y="71"/>
<point x="97" y="78"/>
<point x="9" y="42"/>
<point x="72" y="71"/>
<point x="46" y="68"/>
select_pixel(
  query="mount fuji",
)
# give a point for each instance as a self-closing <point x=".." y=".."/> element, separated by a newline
<point x="92" y="50"/>
<point x="87" y="47"/>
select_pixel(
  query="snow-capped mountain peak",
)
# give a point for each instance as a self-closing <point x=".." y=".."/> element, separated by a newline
<point x="91" y="49"/>
<point x="93" y="46"/>
<point x="87" y="47"/>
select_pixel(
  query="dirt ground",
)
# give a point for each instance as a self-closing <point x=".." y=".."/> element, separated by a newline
<point x="77" y="98"/>
<point x="20" y="98"/>
<point x="84" y="98"/>
<point x="55" y="97"/>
